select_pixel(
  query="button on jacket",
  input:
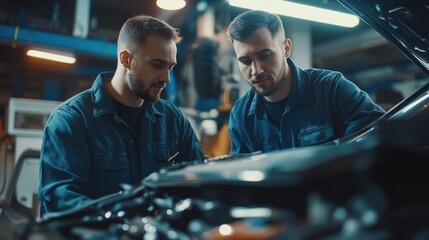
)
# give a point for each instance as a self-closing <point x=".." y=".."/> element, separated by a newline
<point x="322" y="106"/>
<point x="88" y="151"/>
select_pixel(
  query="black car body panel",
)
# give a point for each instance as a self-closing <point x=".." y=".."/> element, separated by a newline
<point x="403" y="23"/>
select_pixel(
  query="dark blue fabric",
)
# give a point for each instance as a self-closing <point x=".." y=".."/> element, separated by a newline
<point x="323" y="106"/>
<point x="88" y="151"/>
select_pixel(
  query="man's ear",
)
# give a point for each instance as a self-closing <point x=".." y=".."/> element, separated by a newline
<point x="125" y="58"/>
<point x="287" y="47"/>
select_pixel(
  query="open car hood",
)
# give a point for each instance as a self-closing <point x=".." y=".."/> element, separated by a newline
<point x="403" y="23"/>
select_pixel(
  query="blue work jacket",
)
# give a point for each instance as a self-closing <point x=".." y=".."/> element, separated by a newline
<point x="88" y="151"/>
<point x="322" y="106"/>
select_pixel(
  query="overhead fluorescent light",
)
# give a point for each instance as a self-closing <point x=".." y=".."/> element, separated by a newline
<point x="171" y="4"/>
<point x="52" y="56"/>
<point x="301" y="11"/>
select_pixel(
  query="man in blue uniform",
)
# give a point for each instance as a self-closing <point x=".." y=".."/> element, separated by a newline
<point x="288" y="106"/>
<point x="119" y="131"/>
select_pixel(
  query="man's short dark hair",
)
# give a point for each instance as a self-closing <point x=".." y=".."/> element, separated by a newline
<point x="136" y="29"/>
<point x="249" y="22"/>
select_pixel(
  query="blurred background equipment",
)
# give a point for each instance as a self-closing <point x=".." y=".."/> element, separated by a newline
<point x="26" y="119"/>
<point x="207" y="73"/>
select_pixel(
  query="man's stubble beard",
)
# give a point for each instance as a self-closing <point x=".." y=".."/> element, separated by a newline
<point x="136" y="88"/>
<point x="273" y="89"/>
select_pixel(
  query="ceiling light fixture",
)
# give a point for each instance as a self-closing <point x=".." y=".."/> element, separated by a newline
<point x="57" y="57"/>
<point x="171" y="4"/>
<point x="301" y="11"/>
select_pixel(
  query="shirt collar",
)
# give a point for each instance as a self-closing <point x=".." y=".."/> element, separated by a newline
<point x="103" y="102"/>
<point x="301" y="90"/>
<point x="152" y="111"/>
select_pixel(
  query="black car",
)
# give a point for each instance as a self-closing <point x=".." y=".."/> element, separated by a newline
<point x="370" y="185"/>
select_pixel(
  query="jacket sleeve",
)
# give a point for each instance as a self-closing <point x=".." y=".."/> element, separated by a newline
<point x="237" y="145"/>
<point x="190" y="146"/>
<point x="65" y="163"/>
<point x="355" y="107"/>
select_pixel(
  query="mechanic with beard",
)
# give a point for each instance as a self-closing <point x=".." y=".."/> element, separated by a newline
<point x="119" y="131"/>
<point x="288" y="106"/>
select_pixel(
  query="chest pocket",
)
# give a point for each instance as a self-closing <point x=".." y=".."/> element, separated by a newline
<point x="165" y="151"/>
<point x="315" y="135"/>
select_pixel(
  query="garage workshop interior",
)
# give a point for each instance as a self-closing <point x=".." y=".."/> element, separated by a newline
<point x="214" y="119"/>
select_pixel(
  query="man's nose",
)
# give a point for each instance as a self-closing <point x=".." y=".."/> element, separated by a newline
<point x="165" y="76"/>
<point x="256" y="69"/>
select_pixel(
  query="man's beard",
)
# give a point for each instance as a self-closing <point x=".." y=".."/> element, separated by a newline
<point x="274" y="87"/>
<point x="267" y="91"/>
<point x="142" y="91"/>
